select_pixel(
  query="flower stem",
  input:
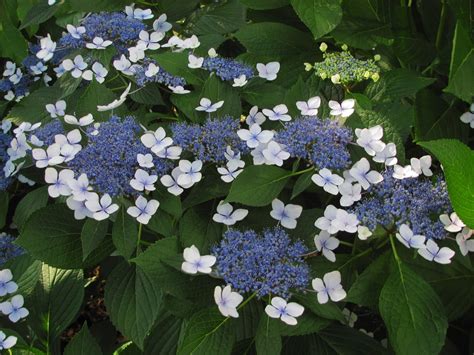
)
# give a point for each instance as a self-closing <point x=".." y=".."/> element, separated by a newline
<point x="139" y="237"/>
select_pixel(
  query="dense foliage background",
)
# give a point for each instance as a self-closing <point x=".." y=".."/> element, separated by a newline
<point x="116" y="286"/>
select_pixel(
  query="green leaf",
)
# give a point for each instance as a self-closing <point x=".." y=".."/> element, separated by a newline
<point x="26" y="273"/>
<point x="53" y="235"/>
<point x="364" y="34"/>
<point x="162" y="223"/>
<point x="83" y="344"/>
<point x="321" y="16"/>
<point x="32" y="108"/>
<point x="435" y="118"/>
<point x="38" y="14"/>
<point x="396" y="84"/>
<point x="12" y="43"/>
<point x="462" y="65"/>
<point x="207" y="332"/>
<point x="414" y="325"/>
<point x="176" y="63"/>
<point x="458" y="165"/>
<point x="149" y="95"/>
<point x="209" y="188"/>
<point x="223" y="18"/>
<point x="302" y="183"/>
<point x="32" y="202"/>
<point x="97" y="5"/>
<point x="215" y="90"/>
<point x="92" y="234"/>
<point x="328" y="310"/>
<point x="258" y="185"/>
<point x="274" y="39"/>
<point x="265" y="4"/>
<point x="176" y="10"/>
<point x="366" y="289"/>
<point x="264" y="95"/>
<point x="58" y="299"/>
<point x="164" y="336"/>
<point x="125" y="233"/>
<point x="133" y="301"/>
<point x="268" y="339"/>
<point x="196" y="227"/>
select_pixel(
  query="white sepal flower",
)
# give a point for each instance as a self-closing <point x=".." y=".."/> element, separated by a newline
<point x="56" y="109"/>
<point x="275" y="154"/>
<point x="79" y="207"/>
<point x="328" y="181"/>
<point x="328" y="221"/>
<point x="83" y="121"/>
<point x="190" y="173"/>
<point x="156" y="141"/>
<point x="7" y="285"/>
<point x="10" y="341"/>
<point x="370" y="139"/>
<point x="404" y="172"/>
<point x="230" y="172"/>
<point x="98" y="43"/>
<point x="160" y="24"/>
<point x="255" y="135"/>
<point x="227" y="301"/>
<point x="143" y="181"/>
<point x="102" y="208"/>
<point x="350" y="193"/>
<point x="194" y="262"/>
<point x="150" y="40"/>
<point x="278" y="113"/>
<point x="171" y="182"/>
<point x="179" y="90"/>
<point x="422" y="165"/>
<point x="406" y="236"/>
<point x="14" y="308"/>
<point x="145" y="160"/>
<point x="363" y="232"/>
<point x="452" y="223"/>
<point x="240" y="81"/>
<point x="255" y="117"/>
<point x="344" y="109"/>
<point x="50" y="156"/>
<point x="329" y="287"/>
<point x="325" y="243"/>
<point x="195" y="62"/>
<point x="287" y="312"/>
<point x="310" y="107"/>
<point x="117" y="102"/>
<point x="226" y="214"/>
<point x="207" y="106"/>
<point x="268" y="71"/>
<point x="81" y="189"/>
<point x="462" y="239"/>
<point x="59" y="183"/>
<point x="143" y="209"/>
<point x="152" y="70"/>
<point x="468" y="117"/>
<point x="364" y="176"/>
<point x="47" y="48"/>
<point x="387" y="156"/>
<point x="172" y="153"/>
<point x="285" y="214"/>
<point x="76" y="67"/>
<point x="123" y="65"/>
<point x="76" y="32"/>
<point x="432" y="252"/>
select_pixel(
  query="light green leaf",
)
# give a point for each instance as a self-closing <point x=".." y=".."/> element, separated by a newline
<point x="258" y="185"/>
<point x="133" y="301"/>
<point x="125" y="233"/>
<point x="92" y="234"/>
<point x="321" y="16"/>
<point x="462" y="65"/>
<point x="274" y="39"/>
<point x="458" y="165"/>
<point x="396" y="84"/>
<point x="58" y="298"/>
<point x="83" y="344"/>
<point x="207" y="332"/>
<point x="223" y="18"/>
<point x="414" y="325"/>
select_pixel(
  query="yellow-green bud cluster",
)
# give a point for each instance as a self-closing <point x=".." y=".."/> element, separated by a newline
<point x="343" y="68"/>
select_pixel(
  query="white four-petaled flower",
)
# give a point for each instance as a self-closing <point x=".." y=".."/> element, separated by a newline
<point x="422" y="165"/>
<point x="156" y="141"/>
<point x="287" y="312"/>
<point x="56" y="109"/>
<point x="364" y="176"/>
<point x="59" y="183"/>
<point x="452" y="223"/>
<point x="226" y="214"/>
<point x="143" y="181"/>
<point x="7" y="285"/>
<point x="194" y="262"/>
<point x="274" y="153"/>
<point x="370" y="139"/>
<point x="207" y="106"/>
<point x="344" y="109"/>
<point x="101" y="208"/>
<point x="190" y="173"/>
<point x="329" y="287"/>
<point x="406" y="236"/>
<point x="268" y="71"/>
<point x="285" y="214"/>
<point x="432" y="252"/>
<point x="255" y="135"/>
<point x="310" y="107"/>
<point x="10" y="341"/>
<point x="98" y="43"/>
<point x="143" y="209"/>
<point x="278" y="113"/>
<point x="195" y="62"/>
<point x="328" y="181"/>
<point x="227" y="301"/>
<point x="325" y="243"/>
<point x="14" y="308"/>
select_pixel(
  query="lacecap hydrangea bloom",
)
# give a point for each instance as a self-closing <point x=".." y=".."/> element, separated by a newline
<point x="110" y="157"/>
<point x="344" y="68"/>
<point x="321" y="142"/>
<point x="8" y="250"/>
<point x="209" y="142"/>
<point x="266" y="263"/>
<point x="5" y="140"/>
<point x="416" y="202"/>
<point x="227" y="68"/>
<point x="117" y="27"/>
